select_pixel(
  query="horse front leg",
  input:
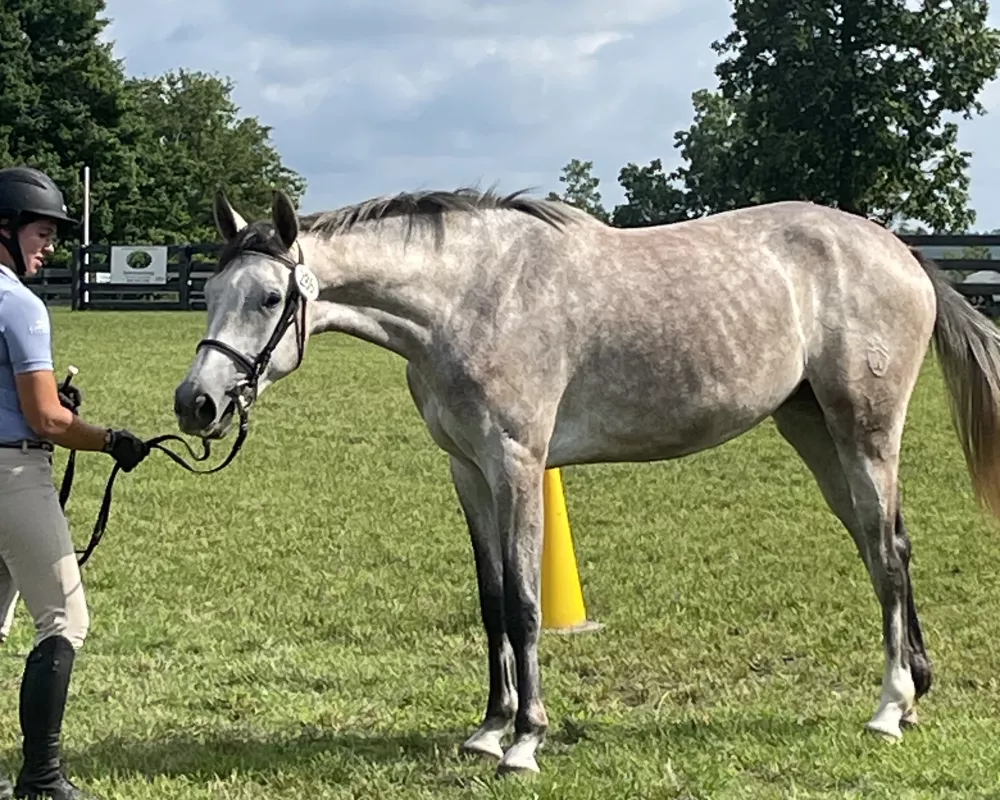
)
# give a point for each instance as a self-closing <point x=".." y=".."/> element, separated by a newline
<point x="518" y="497"/>
<point x="477" y="505"/>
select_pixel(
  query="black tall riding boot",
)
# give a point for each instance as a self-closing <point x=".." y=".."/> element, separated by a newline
<point x="43" y="700"/>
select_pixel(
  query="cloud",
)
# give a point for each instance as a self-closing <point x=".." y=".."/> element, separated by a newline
<point x="373" y="96"/>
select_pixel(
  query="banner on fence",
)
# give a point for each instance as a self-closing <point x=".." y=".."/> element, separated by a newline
<point x="131" y="264"/>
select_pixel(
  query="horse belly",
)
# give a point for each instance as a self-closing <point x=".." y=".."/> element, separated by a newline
<point x="652" y="412"/>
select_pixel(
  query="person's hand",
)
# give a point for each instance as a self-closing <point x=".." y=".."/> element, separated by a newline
<point x="126" y="448"/>
<point x="70" y="397"/>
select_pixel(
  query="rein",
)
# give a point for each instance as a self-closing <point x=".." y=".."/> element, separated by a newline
<point x="302" y="287"/>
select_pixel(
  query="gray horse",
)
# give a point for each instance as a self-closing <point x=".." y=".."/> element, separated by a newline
<point x="536" y="336"/>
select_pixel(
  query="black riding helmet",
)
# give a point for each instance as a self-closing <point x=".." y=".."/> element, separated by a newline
<point x="27" y="194"/>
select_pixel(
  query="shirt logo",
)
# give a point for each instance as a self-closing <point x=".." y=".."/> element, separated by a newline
<point x="39" y="327"/>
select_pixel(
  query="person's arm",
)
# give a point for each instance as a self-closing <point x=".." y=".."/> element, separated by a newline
<point x="26" y="330"/>
<point x="39" y="398"/>
<point x="29" y="342"/>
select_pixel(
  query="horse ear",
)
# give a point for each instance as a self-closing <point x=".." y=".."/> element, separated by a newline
<point x="227" y="220"/>
<point x="285" y="218"/>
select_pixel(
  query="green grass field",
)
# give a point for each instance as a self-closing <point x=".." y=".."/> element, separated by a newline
<point x="305" y="625"/>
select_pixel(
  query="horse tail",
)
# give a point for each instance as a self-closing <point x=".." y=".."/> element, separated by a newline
<point x="968" y="348"/>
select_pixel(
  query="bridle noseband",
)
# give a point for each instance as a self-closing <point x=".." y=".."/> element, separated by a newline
<point x="302" y="287"/>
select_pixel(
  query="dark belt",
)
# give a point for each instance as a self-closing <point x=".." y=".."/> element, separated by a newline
<point x="28" y="444"/>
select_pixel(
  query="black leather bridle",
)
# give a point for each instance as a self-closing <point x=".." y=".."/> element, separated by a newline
<point x="302" y="287"/>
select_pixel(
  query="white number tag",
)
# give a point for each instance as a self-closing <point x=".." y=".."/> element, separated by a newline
<point x="306" y="281"/>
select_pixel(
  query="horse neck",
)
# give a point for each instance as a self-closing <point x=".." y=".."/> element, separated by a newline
<point x="380" y="291"/>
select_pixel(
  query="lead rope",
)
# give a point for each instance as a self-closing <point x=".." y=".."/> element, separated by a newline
<point x="156" y="443"/>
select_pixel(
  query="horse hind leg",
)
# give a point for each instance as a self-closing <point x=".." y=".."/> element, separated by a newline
<point x="802" y="423"/>
<point x="501" y="705"/>
<point x="920" y="664"/>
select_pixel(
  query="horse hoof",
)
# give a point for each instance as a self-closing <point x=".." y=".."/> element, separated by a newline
<point x="884" y="730"/>
<point x="484" y="743"/>
<point x="910" y="719"/>
<point x="482" y="749"/>
<point x="527" y="766"/>
<point x="519" y="759"/>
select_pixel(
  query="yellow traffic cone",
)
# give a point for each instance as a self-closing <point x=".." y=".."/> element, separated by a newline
<point x="563" y="610"/>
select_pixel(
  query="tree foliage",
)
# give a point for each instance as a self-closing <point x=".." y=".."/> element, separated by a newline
<point x="193" y="142"/>
<point x="581" y="188"/>
<point x="849" y="103"/>
<point x="650" y="199"/>
<point x="157" y="147"/>
<point x="62" y="103"/>
<point x="844" y="103"/>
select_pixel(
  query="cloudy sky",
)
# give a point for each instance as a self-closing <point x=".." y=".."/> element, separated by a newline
<point x="373" y="96"/>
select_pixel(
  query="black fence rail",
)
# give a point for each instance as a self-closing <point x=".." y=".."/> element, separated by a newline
<point x="85" y="282"/>
<point x="91" y="286"/>
<point x="54" y="284"/>
<point x="959" y="257"/>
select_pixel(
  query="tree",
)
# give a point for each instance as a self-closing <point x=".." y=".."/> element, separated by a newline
<point x="581" y="188"/>
<point x="157" y="148"/>
<point x="650" y="199"/>
<point x="63" y="104"/>
<point x="840" y="102"/>
<point x="843" y="103"/>
<point x="712" y="180"/>
<point x="193" y="142"/>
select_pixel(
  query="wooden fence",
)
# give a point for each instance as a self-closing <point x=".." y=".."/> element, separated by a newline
<point x="984" y="296"/>
<point x="85" y="282"/>
<point x="188" y="266"/>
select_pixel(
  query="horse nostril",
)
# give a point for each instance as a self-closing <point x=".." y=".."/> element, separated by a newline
<point x="204" y="409"/>
<point x="194" y="405"/>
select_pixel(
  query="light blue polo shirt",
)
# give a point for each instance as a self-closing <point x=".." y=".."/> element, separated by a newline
<point x="25" y="346"/>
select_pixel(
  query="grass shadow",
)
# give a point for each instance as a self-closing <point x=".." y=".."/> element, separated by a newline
<point x="691" y="750"/>
<point x="206" y="757"/>
<point x="685" y="732"/>
<point x="336" y="755"/>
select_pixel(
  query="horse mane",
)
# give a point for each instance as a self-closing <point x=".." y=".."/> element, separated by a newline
<point x="431" y="205"/>
<point x="421" y="206"/>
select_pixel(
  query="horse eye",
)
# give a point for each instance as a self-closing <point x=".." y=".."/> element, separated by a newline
<point x="272" y="299"/>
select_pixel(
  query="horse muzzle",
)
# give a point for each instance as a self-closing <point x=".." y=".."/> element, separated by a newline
<point x="199" y="414"/>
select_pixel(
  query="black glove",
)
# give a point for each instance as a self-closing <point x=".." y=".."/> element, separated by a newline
<point x="70" y="397"/>
<point x="126" y="448"/>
